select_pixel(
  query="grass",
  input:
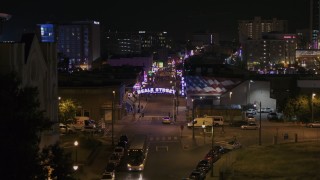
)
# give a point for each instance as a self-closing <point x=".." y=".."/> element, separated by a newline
<point x="291" y="161"/>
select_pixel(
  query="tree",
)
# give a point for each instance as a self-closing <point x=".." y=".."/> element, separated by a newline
<point x="301" y="106"/>
<point x="67" y="110"/>
<point x="20" y="134"/>
<point x="56" y="162"/>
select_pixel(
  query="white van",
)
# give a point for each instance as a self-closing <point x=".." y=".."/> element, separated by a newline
<point x="207" y="121"/>
<point x="83" y="122"/>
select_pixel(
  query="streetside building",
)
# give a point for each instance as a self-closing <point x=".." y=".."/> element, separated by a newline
<point x="36" y="65"/>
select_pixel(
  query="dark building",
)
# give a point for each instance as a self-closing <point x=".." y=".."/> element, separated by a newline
<point x="314" y="23"/>
<point x="78" y="42"/>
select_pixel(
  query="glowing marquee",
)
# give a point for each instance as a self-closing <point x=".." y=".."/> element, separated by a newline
<point x="156" y="91"/>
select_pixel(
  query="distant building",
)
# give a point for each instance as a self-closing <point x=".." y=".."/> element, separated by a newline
<point x="253" y="29"/>
<point x="314" y="23"/>
<point x="36" y="65"/>
<point x="141" y="42"/>
<point x="269" y="51"/>
<point x="3" y="18"/>
<point x="78" y="43"/>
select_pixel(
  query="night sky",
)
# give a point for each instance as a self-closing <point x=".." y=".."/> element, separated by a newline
<point x="174" y="16"/>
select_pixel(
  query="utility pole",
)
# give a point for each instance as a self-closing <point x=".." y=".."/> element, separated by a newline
<point x="260" y="126"/>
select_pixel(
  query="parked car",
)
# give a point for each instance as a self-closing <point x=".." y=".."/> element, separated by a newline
<point x="197" y="174"/>
<point x="110" y="168"/>
<point x="166" y="120"/>
<point x="123" y="144"/>
<point x="232" y="145"/>
<point x="115" y="158"/>
<point x="313" y="124"/>
<point x="203" y="165"/>
<point x="251" y="111"/>
<point x="64" y="129"/>
<point x="119" y="150"/>
<point x="250" y="125"/>
<point x="238" y="123"/>
<point x="251" y="118"/>
<point x="215" y="157"/>
<point x="123" y="137"/>
<point x="265" y="110"/>
<point x="107" y="176"/>
<point x="274" y="116"/>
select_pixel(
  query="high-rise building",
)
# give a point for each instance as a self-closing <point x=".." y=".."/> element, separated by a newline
<point x="272" y="51"/>
<point x="78" y="43"/>
<point x="253" y="29"/>
<point x="3" y="18"/>
<point x="314" y="23"/>
<point x="141" y="42"/>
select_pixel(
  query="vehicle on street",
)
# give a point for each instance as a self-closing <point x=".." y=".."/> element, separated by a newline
<point x="250" y="126"/>
<point x="115" y="158"/>
<point x="123" y="137"/>
<point x="237" y="123"/>
<point x="107" y="176"/>
<point x="251" y="118"/>
<point x="265" y="110"/>
<point x="203" y="165"/>
<point x="64" y="129"/>
<point x="123" y="144"/>
<point x="119" y="150"/>
<point x="197" y="175"/>
<point x="274" y="116"/>
<point x="207" y="121"/>
<point x="314" y="124"/>
<point x="212" y="157"/>
<point x="137" y="153"/>
<point x="251" y="111"/>
<point x="232" y="145"/>
<point x="110" y="168"/>
<point x="166" y="120"/>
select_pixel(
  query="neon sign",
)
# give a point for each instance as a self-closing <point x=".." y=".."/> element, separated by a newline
<point x="156" y="91"/>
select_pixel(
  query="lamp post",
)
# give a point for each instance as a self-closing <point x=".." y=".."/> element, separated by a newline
<point x="212" y="143"/>
<point x="230" y="95"/>
<point x="204" y="136"/>
<point x="139" y="101"/>
<point x="193" y="118"/>
<point x="75" y="166"/>
<point x="313" y="95"/>
<point x="249" y="92"/>
<point x="112" y="120"/>
<point x="260" y="126"/>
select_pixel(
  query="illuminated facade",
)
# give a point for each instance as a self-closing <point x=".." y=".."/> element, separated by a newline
<point x="253" y="29"/>
<point x="274" y="50"/>
<point x="314" y="23"/>
<point x="141" y="42"/>
<point x="78" y="42"/>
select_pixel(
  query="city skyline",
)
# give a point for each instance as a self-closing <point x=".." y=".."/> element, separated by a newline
<point x="177" y="18"/>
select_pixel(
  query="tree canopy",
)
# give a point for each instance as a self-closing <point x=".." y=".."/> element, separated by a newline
<point x="21" y="133"/>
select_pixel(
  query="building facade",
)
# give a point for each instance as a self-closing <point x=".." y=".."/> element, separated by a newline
<point x="78" y="43"/>
<point x="272" y="51"/>
<point x="36" y="65"/>
<point x="253" y="29"/>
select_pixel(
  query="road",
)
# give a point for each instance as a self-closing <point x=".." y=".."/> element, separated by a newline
<point x="168" y="157"/>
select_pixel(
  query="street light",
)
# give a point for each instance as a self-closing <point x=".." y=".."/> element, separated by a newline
<point x="193" y="118"/>
<point x="112" y="120"/>
<point x="76" y="143"/>
<point x="249" y="92"/>
<point x="260" y="126"/>
<point x="212" y="142"/>
<point x="313" y="95"/>
<point x="204" y="136"/>
<point x="230" y="95"/>
<point x="139" y="100"/>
